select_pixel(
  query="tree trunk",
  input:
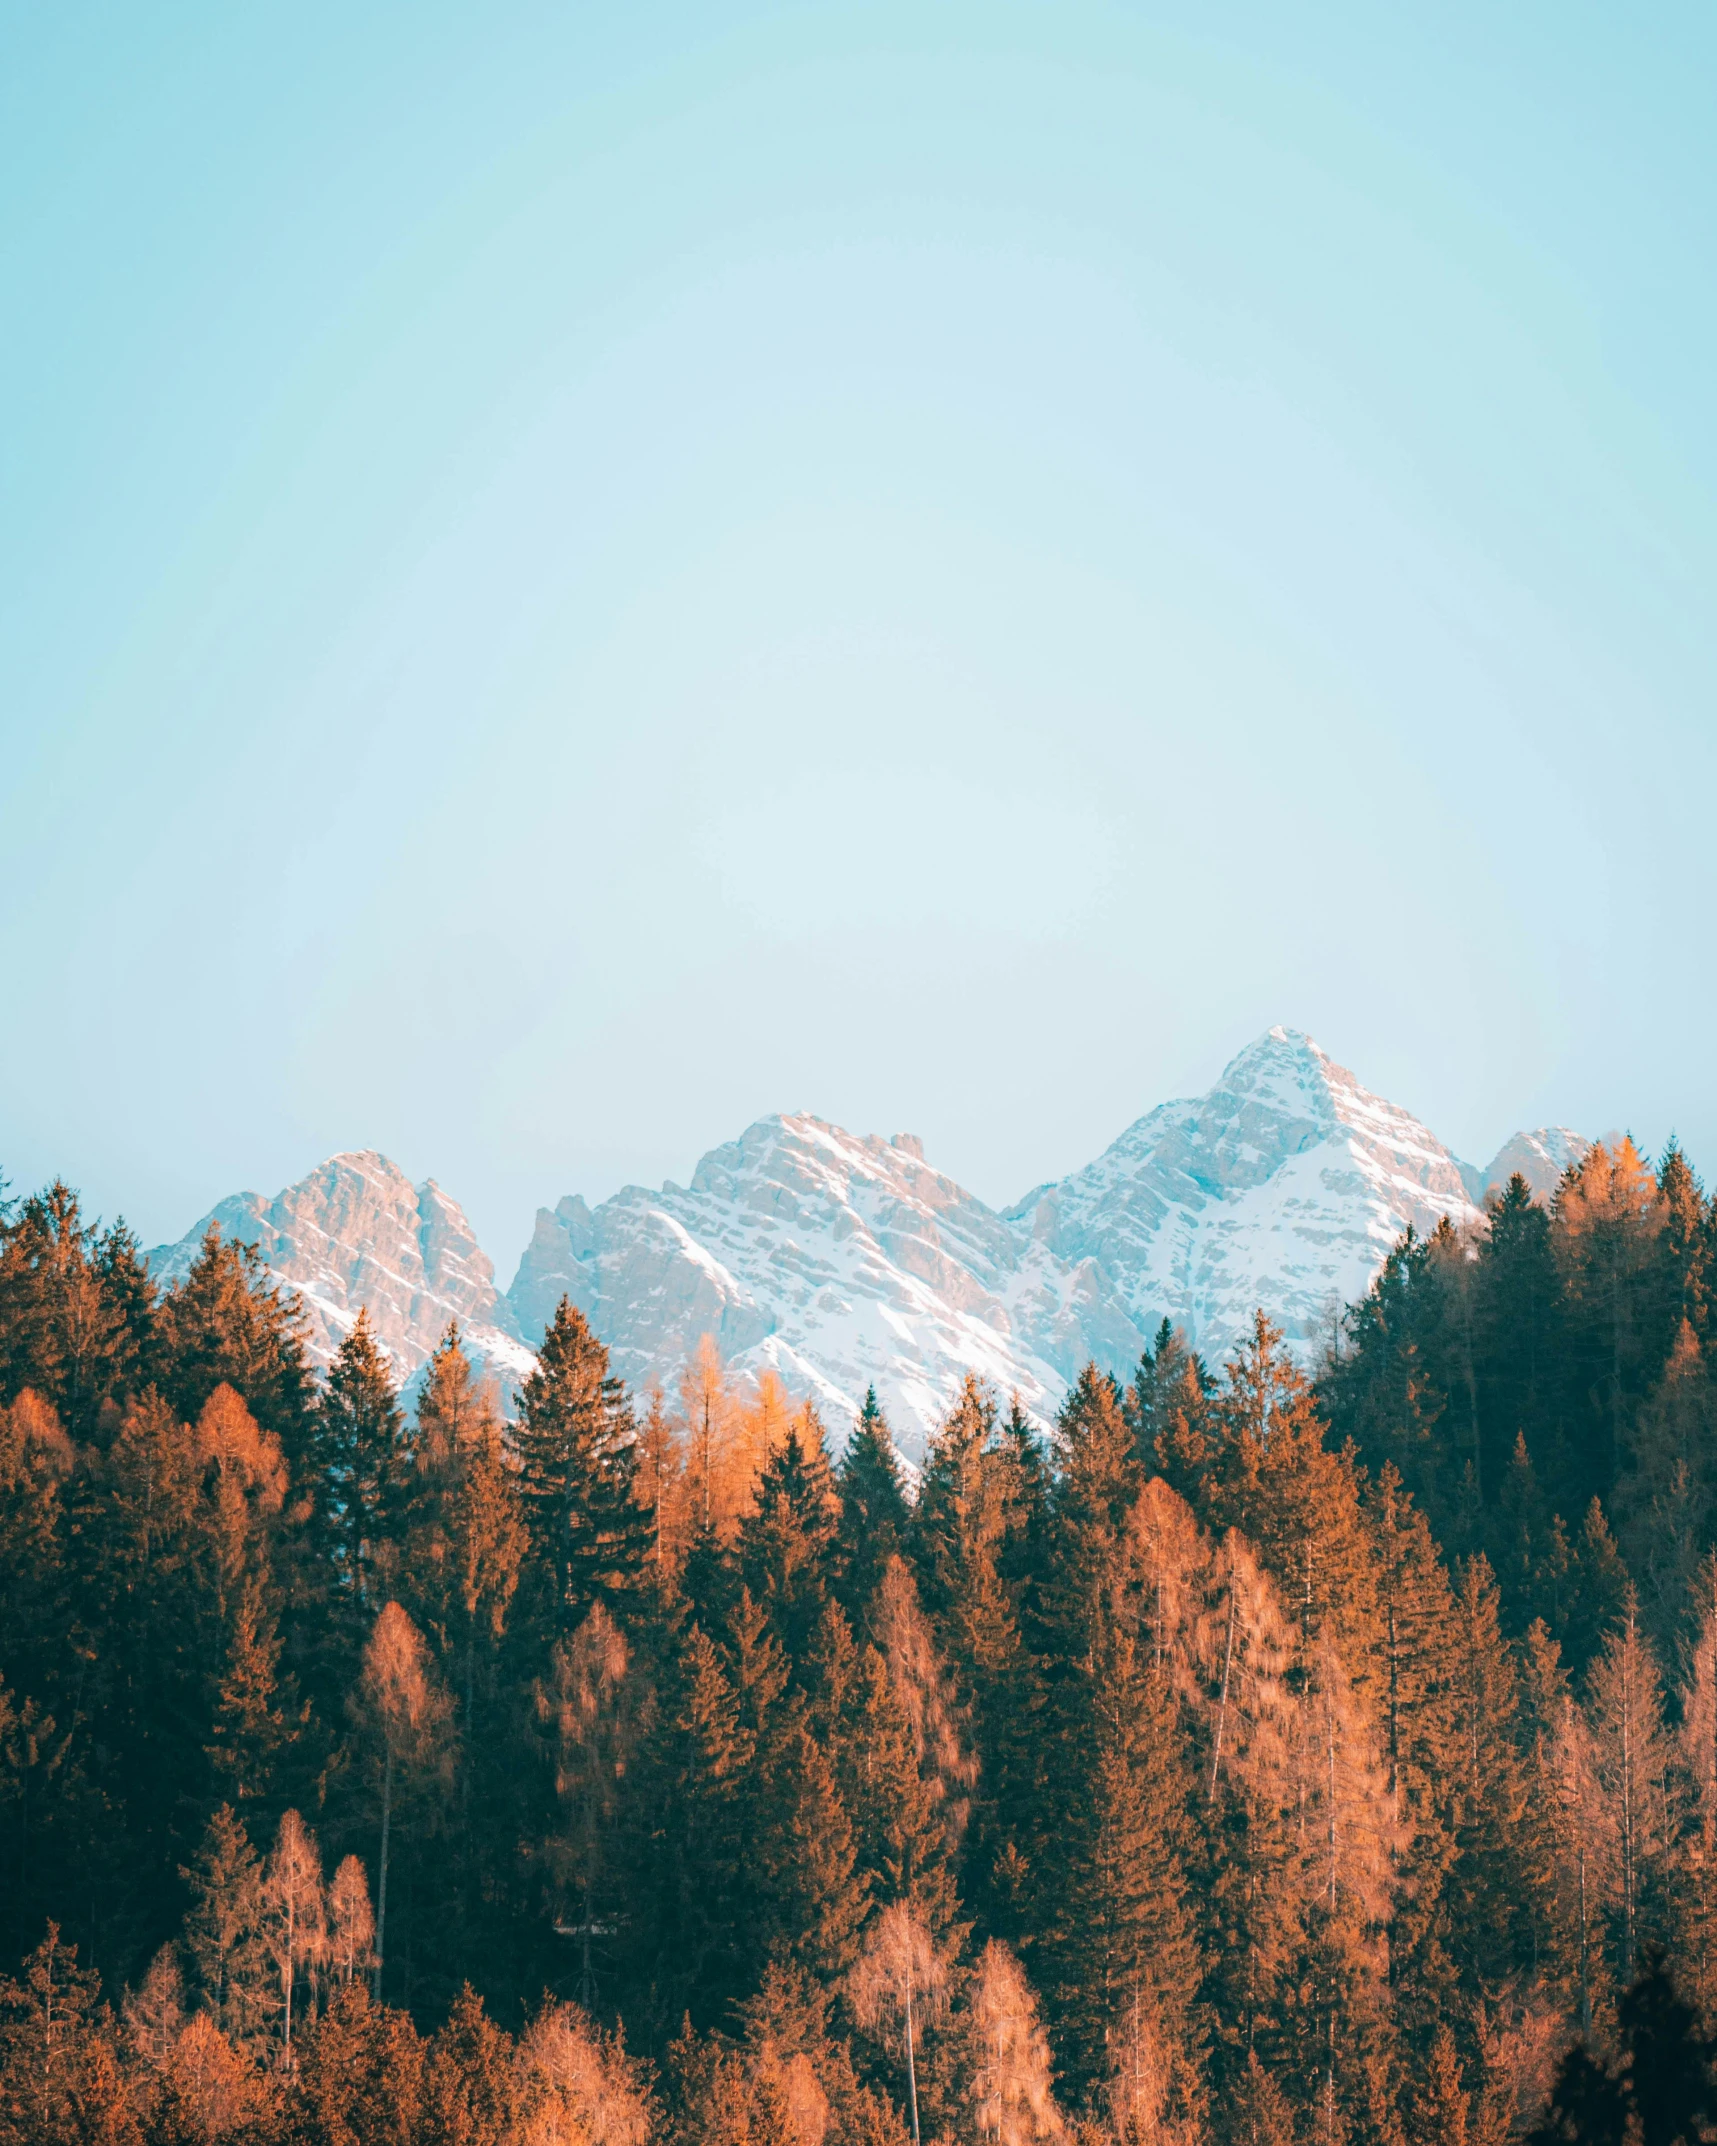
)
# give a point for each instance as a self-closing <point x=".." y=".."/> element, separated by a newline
<point x="911" y="2064"/>
<point x="382" y="1887"/>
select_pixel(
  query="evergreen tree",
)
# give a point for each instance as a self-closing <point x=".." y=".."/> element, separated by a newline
<point x="874" y="1516"/>
<point x="1696" y="1893"/>
<point x="592" y="1705"/>
<point x="1519" y="1328"/>
<point x="1609" y="1219"/>
<point x="471" y="2089"/>
<point x="361" y="1456"/>
<point x="1631" y="1758"/>
<point x="688" y="1863"/>
<point x="967" y="1503"/>
<point x="1258" y="2112"/>
<point x="1297" y="1502"/>
<point x="359" y="2077"/>
<point x="1168" y="1407"/>
<point x="1499" y="1906"/>
<point x="895" y="1803"/>
<point x="786" y="1542"/>
<point x="75" y="1319"/>
<point x="229" y="1323"/>
<point x="589" y="1535"/>
<point x="50" y="2042"/>
<point x="465" y="1532"/>
<point x="1666" y="1501"/>
<point x="224" y="1930"/>
<point x="1116" y="1930"/>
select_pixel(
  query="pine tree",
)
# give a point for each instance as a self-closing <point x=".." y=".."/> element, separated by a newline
<point x="1438" y="2116"/>
<point x="813" y="1896"/>
<point x="471" y="2089"/>
<point x="67" y="1310"/>
<point x="49" y="2031"/>
<point x="1593" y="1586"/>
<point x="688" y="1867"/>
<point x="1682" y="1280"/>
<point x="1696" y="1891"/>
<point x="874" y="1517"/>
<point x="593" y="1710"/>
<point x="224" y="1930"/>
<point x="902" y="1842"/>
<point x="361" y="1458"/>
<point x="1168" y="1407"/>
<point x="1631" y="1761"/>
<point x="1098" y="1480"/>
<point x="252" y="1721"/>
<point x="359" y="2076"/>
<point x="1116" y="1927"/>
<point x="967" y="1504"/>
<point x="1246" y="1886"/>
<point x="1518" y="1320"/>
<point x="589" y="1535"/>
<point x="465" y="1532"/>
<point x="578" y="2084"/>
<point x="1498" y="1891"/>
<point x="1666" y="1501"/>
<point x="1296" y="1502"/>
<point x="229" y="1323"/>
<point x="351" y="1924"/>
<point x="1608" y="1220"/>
<point x="786" y="1542"/>
<point x="1257" y="2113"/>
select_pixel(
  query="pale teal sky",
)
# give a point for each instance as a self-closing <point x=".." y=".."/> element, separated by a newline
<point x="570" y="576"/>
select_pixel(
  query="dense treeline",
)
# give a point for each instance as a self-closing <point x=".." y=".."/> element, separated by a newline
<point x="1251" y="1759"/>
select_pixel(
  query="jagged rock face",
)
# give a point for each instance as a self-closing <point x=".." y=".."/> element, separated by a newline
<point x="844" y="1262"/>
<point x="1540" y="1157"/>
<point x="841" y="1262"/>
<point x="357" y="1232"/>
<point x="1284" y="1187"/>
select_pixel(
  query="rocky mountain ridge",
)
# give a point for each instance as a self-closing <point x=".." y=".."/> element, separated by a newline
<point x="842" y="1260"/>
<point x="357" y="1233"/>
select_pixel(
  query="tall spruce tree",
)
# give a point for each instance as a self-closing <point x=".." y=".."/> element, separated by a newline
<point x="874" y="1514"/>
<point x="589" y="1534"/>
<point x="786" y="1541"/>
<point x="230" y="1323"/>
<point x="1112" y="1922"/>
<point x="361" y="1458"/>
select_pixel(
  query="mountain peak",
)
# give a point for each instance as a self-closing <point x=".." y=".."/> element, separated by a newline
<point x="354" y="1233"/>
<point x="1283" y="1186"/>
<point x="842" y="1260"/>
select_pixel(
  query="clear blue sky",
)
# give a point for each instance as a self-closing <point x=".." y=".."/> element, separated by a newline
<point x="573" y="575"/>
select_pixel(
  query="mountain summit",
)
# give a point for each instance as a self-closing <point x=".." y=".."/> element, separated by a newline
<point x="1284" y="1187"/>
<point x="358" y="1233"/>
<point x="843" y="1261"/>
<point x="836" y="1260"/>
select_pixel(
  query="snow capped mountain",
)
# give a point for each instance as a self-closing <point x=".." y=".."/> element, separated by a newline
<point x="841" y="1261"/>
<point x="357" y="1232"/>
<point x="838" y="1261"/>
<point x="1283" y="1187"/>
<point x="1540" y="1157"/>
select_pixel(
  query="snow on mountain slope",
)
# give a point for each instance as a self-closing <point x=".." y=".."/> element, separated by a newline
<point x="1283" y="1187"/>
<point x="840" y="1261"/>
<point x="356" y="1232"/>
<point x="1540" y="1157"/>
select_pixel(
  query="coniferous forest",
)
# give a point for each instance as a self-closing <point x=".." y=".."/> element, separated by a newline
<point x="1261" y="1758"/>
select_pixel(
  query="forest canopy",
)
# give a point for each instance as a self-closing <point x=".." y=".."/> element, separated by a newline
<point x="1264" y="1753"/>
